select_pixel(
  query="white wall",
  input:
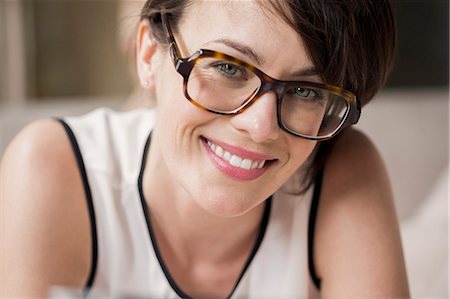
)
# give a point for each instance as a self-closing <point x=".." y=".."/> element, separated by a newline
<point x="411" y="130"/>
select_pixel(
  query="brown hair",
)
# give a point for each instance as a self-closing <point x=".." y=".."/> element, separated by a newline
<point x="350" y="42"/>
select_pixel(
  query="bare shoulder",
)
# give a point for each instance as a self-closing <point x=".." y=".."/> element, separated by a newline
<point x="358" y="251"/>
<point x="46" y="228"/>
<point x="356" y="163"/>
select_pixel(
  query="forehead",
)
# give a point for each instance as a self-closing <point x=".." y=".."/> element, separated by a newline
<point x="255" y="24"/>
<point x="255" y="18"/>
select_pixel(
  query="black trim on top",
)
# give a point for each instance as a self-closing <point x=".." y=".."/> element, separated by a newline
<point x="90" y="204"/>
<point x="312" y="226"/>
<point x="175" y="287"/>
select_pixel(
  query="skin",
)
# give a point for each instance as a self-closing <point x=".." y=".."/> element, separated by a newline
<point x="45" y="230"/>
<point x="213" y="218"/>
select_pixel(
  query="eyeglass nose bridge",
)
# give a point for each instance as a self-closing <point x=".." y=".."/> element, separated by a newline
<point x="266" y="86"/>
<point x="270" y="84"/>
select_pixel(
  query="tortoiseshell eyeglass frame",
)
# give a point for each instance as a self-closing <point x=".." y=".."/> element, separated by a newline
<point x="184" y="66"/>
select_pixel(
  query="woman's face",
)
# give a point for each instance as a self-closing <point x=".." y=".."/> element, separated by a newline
<point x="188" y="138"/>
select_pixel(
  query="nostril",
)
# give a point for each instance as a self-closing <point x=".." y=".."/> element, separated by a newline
<point x="259" y="121"/>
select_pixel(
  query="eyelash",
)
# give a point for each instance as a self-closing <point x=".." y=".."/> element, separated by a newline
<point x="219" y="65"/>
<point x="316" y="96"/>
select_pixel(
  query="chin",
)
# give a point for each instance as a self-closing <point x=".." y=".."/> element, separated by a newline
<point x="226" y="205"/>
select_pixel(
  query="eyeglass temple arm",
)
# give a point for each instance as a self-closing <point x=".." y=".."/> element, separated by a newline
<point x="357" y="113"/>
<point x="173" y="47"/>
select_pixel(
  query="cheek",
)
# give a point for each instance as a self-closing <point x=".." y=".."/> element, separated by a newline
<point x="299" y="152"/>
<point x="173" y="107"/>
<point x="180" y="117"/>
<point x="175" y="111"/>
<point x="302" y="149"/>
<point x="179" y="121"/>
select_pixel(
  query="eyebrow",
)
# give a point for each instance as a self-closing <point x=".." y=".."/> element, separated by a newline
<point x="307" y="72"/>
<point x="250" y="53"/>
<point x="243" y="49"/>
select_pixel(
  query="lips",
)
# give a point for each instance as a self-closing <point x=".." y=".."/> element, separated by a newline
<point x="236" y="162"/>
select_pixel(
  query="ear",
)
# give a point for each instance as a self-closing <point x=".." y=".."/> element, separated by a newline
<point x="146" y="47"/>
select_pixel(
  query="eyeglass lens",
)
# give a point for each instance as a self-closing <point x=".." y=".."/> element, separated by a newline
<point x="221" y="85"/>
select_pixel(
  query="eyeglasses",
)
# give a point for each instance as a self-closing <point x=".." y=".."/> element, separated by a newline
<point x="225" y="85"/>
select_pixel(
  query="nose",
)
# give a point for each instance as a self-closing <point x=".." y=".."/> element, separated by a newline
<point x="259" y="121"/>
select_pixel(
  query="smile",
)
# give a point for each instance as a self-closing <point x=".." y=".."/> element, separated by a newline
<point x="236" y="162"/>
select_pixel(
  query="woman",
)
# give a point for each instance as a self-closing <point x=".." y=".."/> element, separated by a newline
<point x="242" y="182"/>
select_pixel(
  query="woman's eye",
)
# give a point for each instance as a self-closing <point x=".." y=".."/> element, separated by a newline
<point x="228" y="68"/>
<point x="231" y="71"/>
<point x="305" y="92"/>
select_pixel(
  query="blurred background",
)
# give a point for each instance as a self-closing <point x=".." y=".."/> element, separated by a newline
<point x="66" y="57"/>
<point x="78" y="48"/>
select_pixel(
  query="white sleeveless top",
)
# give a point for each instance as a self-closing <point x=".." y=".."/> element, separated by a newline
<point x="110" y="148"/>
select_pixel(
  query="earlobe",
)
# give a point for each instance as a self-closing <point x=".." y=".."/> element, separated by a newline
<point x="146" y="47"/>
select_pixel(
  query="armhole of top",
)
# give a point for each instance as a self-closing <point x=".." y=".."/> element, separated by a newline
<point x="90" y="204"/>
<point x="312" y="226"/>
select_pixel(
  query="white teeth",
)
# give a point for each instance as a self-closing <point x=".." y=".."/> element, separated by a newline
<point x="226" y="156"/>
<point x="246" y="164"/>
<point x="219" y="151"/>
<point x="235" y="160"/>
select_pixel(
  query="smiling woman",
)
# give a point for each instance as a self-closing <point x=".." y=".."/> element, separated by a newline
<point x="193" y="198"/>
